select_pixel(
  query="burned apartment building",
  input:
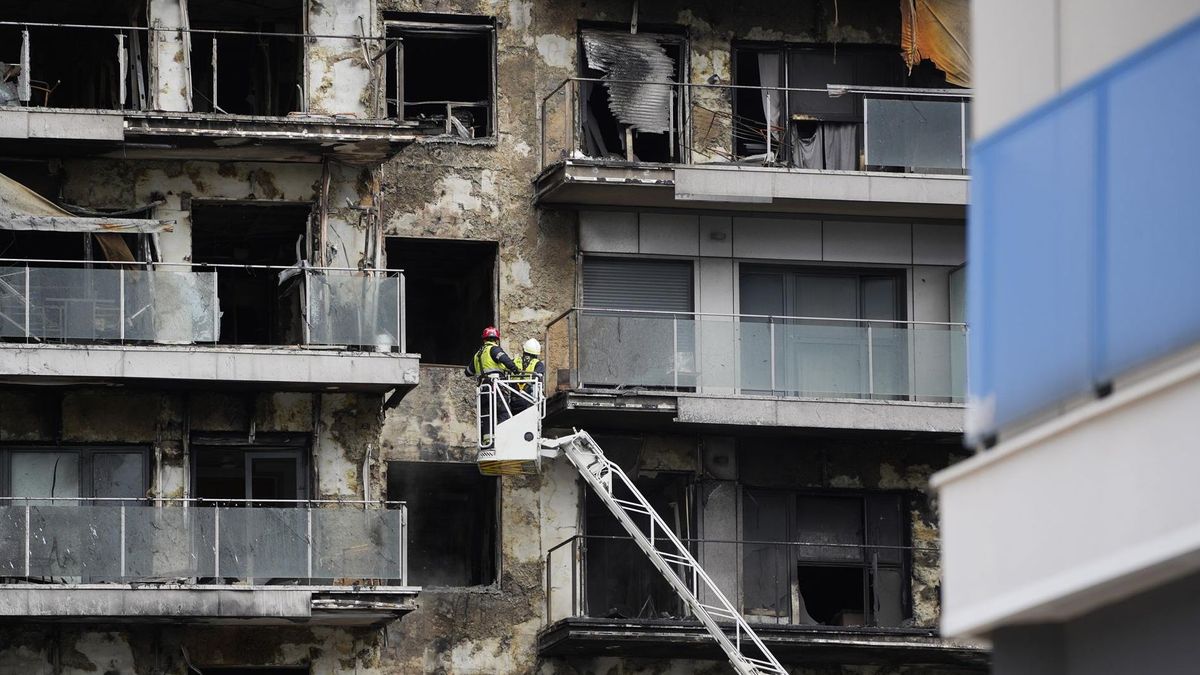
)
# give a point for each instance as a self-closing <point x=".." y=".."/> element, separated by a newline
<point x="246" y="249"/>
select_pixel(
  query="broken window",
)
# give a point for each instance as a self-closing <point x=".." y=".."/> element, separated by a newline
<point x="256" y="307"/>
<point x="257" y="74"/>
<point x="826" y="559"/>
<point x="450" y="294"/>
<point x="809" y="129"/>
<point x="74" y="67"/>
<point x="620" y="580"/>
<point x="440" y="73"/>
<point x="638" y="114"/>
<point x="274" y="467"/>
<point x="65" y="472"/>
<point x="452" y="522"/>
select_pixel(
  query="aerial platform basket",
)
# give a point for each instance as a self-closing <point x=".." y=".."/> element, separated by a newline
<point x="510" y="447"/>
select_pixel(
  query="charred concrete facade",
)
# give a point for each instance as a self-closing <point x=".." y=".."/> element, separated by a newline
<point x="438" y="137"/>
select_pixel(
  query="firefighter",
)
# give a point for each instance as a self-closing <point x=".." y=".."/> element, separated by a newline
<point x="529" y="366"/>
<point x="489" y="363"/>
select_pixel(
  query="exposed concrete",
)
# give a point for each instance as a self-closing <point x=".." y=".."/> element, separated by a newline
<point x="279" y="368"/>
<point x="264" y="605"/>
<point x="169" y="55"/>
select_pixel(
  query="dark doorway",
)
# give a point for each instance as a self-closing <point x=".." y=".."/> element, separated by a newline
<point x="256" y="74"/>
<point x="256" y="308"/>
<point x="450" y="294"/>
<point x="452" y="522"/>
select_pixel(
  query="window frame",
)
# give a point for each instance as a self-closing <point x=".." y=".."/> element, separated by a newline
<point x="395" y="24"/>
<point x="903" y="499"/>
<point x="86" y="453"/>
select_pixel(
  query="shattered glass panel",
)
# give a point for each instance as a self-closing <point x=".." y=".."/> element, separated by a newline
<point x="353" y="309"/>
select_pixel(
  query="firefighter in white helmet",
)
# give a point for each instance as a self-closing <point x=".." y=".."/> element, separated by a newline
<point x="529" y="366"/>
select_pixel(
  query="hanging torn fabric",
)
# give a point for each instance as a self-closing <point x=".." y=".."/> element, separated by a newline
<point x="634" y="62"/>
<point x="938" y="30"/>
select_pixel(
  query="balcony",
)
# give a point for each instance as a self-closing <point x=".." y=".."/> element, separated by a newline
<point x="906" y="156"/>
<point x="750" y="370"/>
<point x="592" y="610"/>
<point x="201" y="560"/>
<point x="337" y="328"/>
<point x="194" y="93"/>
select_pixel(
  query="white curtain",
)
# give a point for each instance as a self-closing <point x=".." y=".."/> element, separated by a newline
<point x="772" y="101"/>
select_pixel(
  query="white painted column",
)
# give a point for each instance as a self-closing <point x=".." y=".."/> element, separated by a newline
<point x="170" y="79"/>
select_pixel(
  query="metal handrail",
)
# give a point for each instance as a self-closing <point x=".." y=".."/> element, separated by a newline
<point x="160" y="263"/>
<point x="764" y="542"/>
<point x="210" y="500"/>
<point x="750" y="316"/>
<point x="830" y="89"/>
<point x="198" y="31"/>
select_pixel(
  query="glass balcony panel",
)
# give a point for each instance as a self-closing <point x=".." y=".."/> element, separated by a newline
<point x="170" y="306"/>
<point x="78" y="543"/>
<point x="263" y="543"/>
<point x="353" y="309"/>
<point x="357" y="544"/>
<point x="914" y="134"/>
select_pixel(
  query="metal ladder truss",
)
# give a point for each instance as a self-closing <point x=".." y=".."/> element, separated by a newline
<point x="745" y="650"/>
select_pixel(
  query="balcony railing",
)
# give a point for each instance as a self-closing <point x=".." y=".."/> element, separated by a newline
<point x="847" y="584"/>
<point x="179" y="303"/>
<point x="203" y="541"/>
<point x="892" y="129"/>
<point x="109" y="69"/>
<point x="742" y="354"/>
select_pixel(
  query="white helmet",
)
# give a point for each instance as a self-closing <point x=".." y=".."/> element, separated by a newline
<point x="532" y="346"/>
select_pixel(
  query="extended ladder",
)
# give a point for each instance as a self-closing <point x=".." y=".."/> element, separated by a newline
<point x="745" y="650"/>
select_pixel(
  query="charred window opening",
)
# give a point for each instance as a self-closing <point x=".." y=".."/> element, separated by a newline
<point x="632" y="118"/>
<point x="72" y="67"/>
<point x="823" y="558"/>
<point x="255" y="307"/>
<point x="254" y="670"/>
<point x="450" y="294"/>
<point x="809" y="129"/>
<point x="452" y="522"/>
<point x="440" y="73"/>
<point x="65" y="472"/>
<point x="274" y="467"/>
<point x="621" y="582"/>
<point x="255" y="74"/>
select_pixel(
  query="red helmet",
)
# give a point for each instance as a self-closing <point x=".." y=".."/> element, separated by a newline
<point x="490" y="333"/>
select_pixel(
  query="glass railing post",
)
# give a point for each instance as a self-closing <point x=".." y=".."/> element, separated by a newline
<point x="123" y="546"/>
<point x="870" y="363"/>
<point x="404" y="544"/>
<point x="28" y="522"/>
<point x="402" y="320"/>
<point x="121" y="304"/>
<point x="771" y="330"/>
<point x="309" y="540"/>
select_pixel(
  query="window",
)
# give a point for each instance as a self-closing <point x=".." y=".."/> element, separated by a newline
<point x="256" y="74"/>
<point x="253" y="670"/>
<point x="822" y="358"/>
<point x="621" y="582"/>
<point x="73" y="472"/>
<point x="452" y="522"/>
<point x="450" y="294"/>
<point x="812" y="129"/>
<point x="274" y="468"/>
<point x="630" y="120"/>
<point x="71" y="67"/>
<point x="652" y="343"/>
<point x="255" y="307"/>
<point x="832" y="559"/>
<point x="441" y="73"/>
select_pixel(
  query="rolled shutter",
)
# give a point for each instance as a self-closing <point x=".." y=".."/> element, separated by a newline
<point x="629" y="283"/>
